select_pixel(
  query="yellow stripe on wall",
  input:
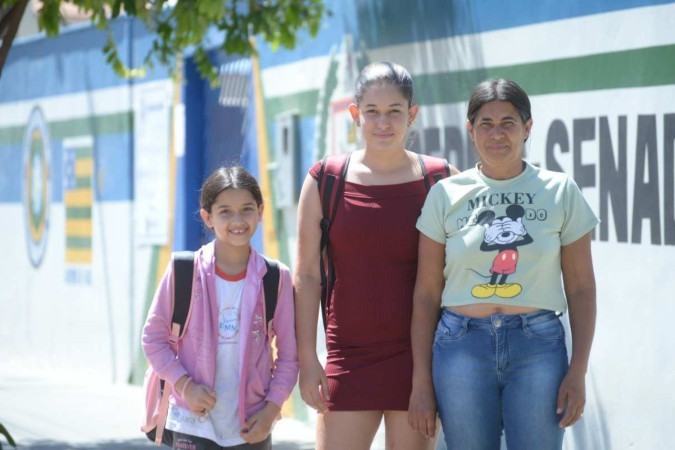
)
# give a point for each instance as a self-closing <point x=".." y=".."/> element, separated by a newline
<point x="269" y="233"/>
<point x="78" y="197"/>
<point x="78" y="255"/>
<point x="78" y="227"/>
<point x="84" y="167"/>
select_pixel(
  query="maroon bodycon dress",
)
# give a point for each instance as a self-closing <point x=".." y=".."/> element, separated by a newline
<point x="374" y="243"/>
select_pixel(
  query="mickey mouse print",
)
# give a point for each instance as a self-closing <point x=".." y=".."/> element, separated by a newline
<point x="504" y="235"/>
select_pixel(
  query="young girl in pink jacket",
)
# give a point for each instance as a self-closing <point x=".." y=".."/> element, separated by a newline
<point x="227" y="387"/>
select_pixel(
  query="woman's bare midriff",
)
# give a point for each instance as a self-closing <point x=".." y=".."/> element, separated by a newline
<point x="489" y="309"/>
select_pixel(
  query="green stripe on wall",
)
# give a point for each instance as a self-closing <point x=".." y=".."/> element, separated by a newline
<point x="95" y="126"/>
<point x="83" y="182"/>
<point x="78" y="242"/>
<point x="100" y="125"/>
<point x="304" y="103"/>
<point x="653" y="66"/>
<point x="74" y="212"/>
<point x="12" y="135"/>
<point x="82" y="153"/>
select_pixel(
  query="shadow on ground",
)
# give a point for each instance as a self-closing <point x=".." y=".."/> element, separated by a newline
<point x="127" y="445"/>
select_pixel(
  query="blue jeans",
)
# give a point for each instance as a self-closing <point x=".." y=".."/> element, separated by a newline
<point x="499" y="373"/>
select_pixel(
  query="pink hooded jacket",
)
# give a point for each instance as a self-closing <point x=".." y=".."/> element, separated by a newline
<point x="262" y="378"/>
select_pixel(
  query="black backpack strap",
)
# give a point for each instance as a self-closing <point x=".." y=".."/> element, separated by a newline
<point x="333" y="171"/>
<point x="434" y="169"/>
<point x="183" y="270"/>
<point x="270" y="289"/>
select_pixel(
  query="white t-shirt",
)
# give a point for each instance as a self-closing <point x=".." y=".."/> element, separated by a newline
<point x="221" y="425"/>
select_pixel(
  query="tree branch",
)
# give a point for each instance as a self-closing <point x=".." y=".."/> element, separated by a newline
<point x="9" y="25"/>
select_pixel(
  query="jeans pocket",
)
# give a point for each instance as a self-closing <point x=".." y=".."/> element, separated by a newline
<point x="550" y="329"/>
<point x="450" y="328"/>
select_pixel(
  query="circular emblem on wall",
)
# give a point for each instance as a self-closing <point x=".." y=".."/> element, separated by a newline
<point x="36" y="189"/>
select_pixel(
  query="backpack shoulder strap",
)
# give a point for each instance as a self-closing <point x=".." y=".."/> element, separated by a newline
<point x="270" y="289"/>
<point x="183" y="270"/>
<point x="331" y="184"/>
<point x="332" y="173"/>
<point x="434" y="169"/>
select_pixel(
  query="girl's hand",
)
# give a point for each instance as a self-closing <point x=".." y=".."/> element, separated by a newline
<point x="259" y="426"/>
<point x="200" y="398"/>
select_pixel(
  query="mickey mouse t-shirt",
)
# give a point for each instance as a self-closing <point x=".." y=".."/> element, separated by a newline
<point x="503" y="237"/>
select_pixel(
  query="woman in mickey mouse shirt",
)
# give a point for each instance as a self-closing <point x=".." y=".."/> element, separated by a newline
<point x="504" y="250"/>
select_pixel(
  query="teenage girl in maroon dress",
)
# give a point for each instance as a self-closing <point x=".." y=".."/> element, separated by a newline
<point x="374" y="245"/>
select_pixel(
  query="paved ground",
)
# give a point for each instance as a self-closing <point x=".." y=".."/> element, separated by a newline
<point x="44" y="413"/>
<point x="48" y="410"/>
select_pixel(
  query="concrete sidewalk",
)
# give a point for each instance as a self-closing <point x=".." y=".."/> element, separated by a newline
<point x="47" y="411"/>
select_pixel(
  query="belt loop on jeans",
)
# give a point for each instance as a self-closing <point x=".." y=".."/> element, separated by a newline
<point x="523" y="319"/>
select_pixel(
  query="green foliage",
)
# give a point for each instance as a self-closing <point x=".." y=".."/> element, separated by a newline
<point x="182" y="24"/>
<point x="5" y="433"/>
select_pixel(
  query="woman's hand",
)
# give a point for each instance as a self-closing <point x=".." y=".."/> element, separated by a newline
<point x="572" y="398"/>
<point x="259" y="426"/>
<point x="422" y="411"/>
<point x="426" y="311"/>
<point x="579" y="282"/>
<point x="314" y="385"/>
<point x="307" y="282"/>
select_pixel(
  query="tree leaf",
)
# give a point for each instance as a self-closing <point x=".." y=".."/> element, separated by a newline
<point x="187" y="23"/>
